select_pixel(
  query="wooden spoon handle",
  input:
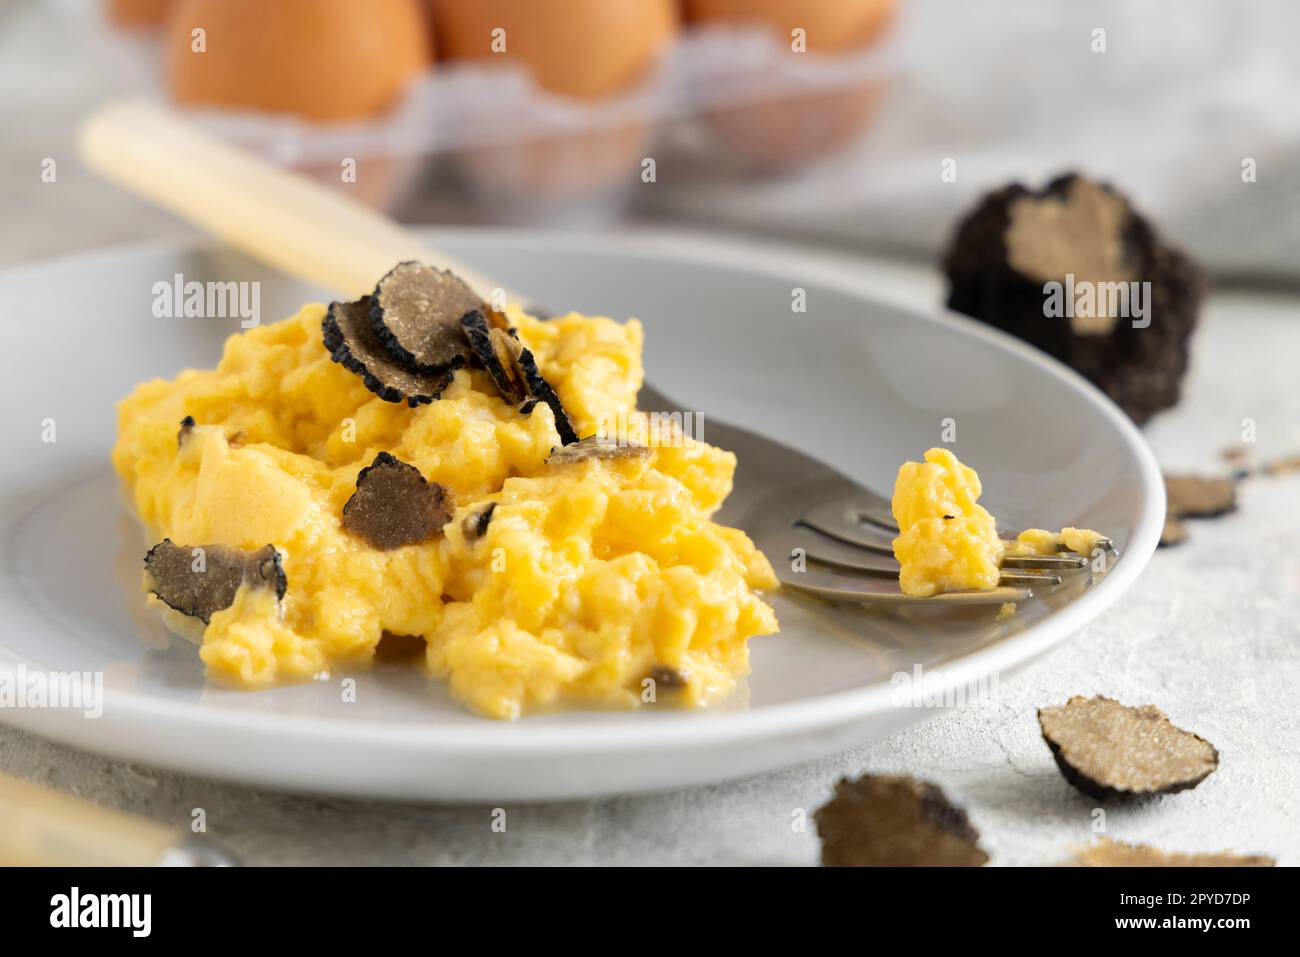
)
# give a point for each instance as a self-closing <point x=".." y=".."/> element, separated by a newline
<point x="40" y="827"/>
<point x="281" y="218"/>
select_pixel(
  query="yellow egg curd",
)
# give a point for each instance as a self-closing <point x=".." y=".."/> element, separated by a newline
<point x="1039" y="541"/>
<point x="947" y="541"/>
<point x="590" y="578"/>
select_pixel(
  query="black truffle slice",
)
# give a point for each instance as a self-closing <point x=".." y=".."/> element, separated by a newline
<point x="416" y="310"/>
<point x="1282" y="466"/>
<point x="394" y="505"/>
<point x="883" y="820"/>
<point x="351" y="342"/>
<point x="1173" y="533"/>
<point x="667" y="679"/>
<point x="1108" y="853"/>
<point x="595" y="447"/>
<point x="394" y="647"/>
<point x="1191" y="496"/>
<point x="199" y="580"/>
<point x="1110" y="750"/>
<point x="1017" y="240"/>
<point x="475" y="524"/>
<point x="513" y="369"/>
<point x="187" y="426"/>
<point x="539" y="390"/>
<point x="497" y="349"/>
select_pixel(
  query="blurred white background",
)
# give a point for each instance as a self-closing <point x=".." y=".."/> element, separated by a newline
<point x="1185" y="92"/>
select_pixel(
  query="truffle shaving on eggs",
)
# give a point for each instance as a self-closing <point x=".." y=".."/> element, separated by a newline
<point x="187" y="426"/>
<point x="394" y="505"/>
<point x="200" y="580"/>
<point x="416" y="310"/>
<point x="497" y="350"/>
<point x="539" y="390"/>
<point x="513" y="370"/>
<point x="595" y="447"/>
<point x="475" y="525"/>
<point x="351" y="341"/>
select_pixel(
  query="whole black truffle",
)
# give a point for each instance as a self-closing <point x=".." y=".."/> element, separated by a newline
<point x="1085" y="237"/>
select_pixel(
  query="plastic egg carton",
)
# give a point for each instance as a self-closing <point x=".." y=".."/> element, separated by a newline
<point x="472" y="141"/>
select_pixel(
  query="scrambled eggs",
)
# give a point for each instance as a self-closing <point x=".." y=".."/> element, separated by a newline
<point x="1039" y="541"/>
<point x="949" y="542"/>
<point x="590" y="577"/>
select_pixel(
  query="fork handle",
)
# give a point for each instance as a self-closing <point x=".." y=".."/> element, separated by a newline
<point x="282" y="218"/>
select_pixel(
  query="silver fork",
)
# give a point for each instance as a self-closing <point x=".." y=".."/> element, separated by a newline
<point x="854" y="534"/>
<point x="828" y="536"/>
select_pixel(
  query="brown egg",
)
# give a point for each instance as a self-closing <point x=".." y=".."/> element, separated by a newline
<point x="583" y="48"/>
<point x="320" y="59"/>
<point x="831" y="26"/>
<point x="138" y="13"/>
<point x="785" y="132"/>
<point x="552" y="177"/>
<point x="576" y="48"/>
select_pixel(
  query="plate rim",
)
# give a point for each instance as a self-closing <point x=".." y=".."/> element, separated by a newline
<point x="495" y="738"/>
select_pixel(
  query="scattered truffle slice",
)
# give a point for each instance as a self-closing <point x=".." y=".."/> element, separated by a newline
<point x="475" y="524"/>
<point x="895" y="821"/>
<point x="394" y="505"/>
<point x="1283" y="465"/>
<point x="1108" y="853"/>
<point x="1017" y="240"/>
<point x="1107" y="749"/>
<point x="1191" y="496"/>
<point x="199" y="592"/>
<point x="1173" y="533"/>
<point x="1237" y="455"/>
<point x="595" y="447"/>
<point x="351" y="342"/>
<point x="187" y="426"/>
<point x="416" y="313"/>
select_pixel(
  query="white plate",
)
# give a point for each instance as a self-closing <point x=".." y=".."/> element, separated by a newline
<point x="854" y="382"/>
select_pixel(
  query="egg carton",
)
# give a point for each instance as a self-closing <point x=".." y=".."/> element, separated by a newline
<point x="471" y="141"/>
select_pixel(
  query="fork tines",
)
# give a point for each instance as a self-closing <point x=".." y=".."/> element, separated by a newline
<point x="853" y="541"/>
